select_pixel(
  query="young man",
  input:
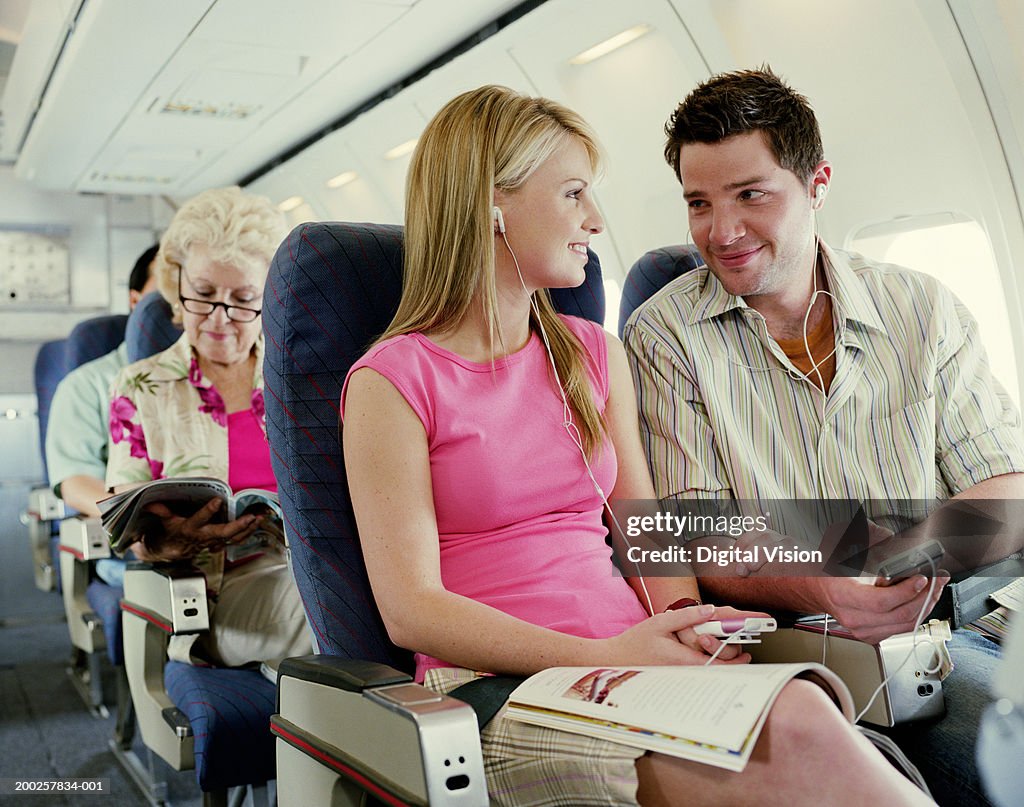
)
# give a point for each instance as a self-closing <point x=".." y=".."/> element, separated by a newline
<point x="788" y="370"/>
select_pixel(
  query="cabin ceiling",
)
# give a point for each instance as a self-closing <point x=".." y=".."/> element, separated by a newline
<point x="152" y="97"/>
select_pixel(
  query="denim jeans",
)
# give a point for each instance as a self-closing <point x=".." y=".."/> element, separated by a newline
<point x="111" y="571"/>
<point x="943" y="748"/>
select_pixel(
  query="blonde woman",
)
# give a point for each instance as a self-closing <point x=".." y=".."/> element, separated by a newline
<point x="479" y="521"/>
<point x="196" y="409"/>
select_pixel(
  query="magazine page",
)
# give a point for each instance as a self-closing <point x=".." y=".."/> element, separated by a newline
<point x="270" y="533"/>
<point x="709" y="714"/>
<point x="124" y="516"/>
<point x="1011" y="596"/>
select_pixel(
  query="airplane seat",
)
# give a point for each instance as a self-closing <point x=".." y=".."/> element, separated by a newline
<point x="50" y="368"/>
<point x="151" y="327"/>
<point x="95" y="337"/>
<point x="44" y="509"/>
<point x="88" y="340"/>
<point x="75" y="543"/>
<point x="229" y="711"/>
<point x="348" y="722"/>
<point x="652" y="271"/>
<point x="93" y="607"/>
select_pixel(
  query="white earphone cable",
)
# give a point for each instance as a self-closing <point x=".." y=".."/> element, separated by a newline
<point x="570" y="426"/>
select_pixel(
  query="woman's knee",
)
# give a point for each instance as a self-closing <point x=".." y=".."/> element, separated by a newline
<point x="804" y="715"/>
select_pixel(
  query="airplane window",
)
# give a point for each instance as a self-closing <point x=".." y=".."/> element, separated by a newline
<point x="612" y="295"/>
<point x="956" y="250"/>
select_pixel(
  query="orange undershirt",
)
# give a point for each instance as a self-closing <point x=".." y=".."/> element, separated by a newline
<point x="822" y="342"/>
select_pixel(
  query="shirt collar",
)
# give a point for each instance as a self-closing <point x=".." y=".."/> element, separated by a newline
<point x="712" y="298"/>
<point x="851" y="299"/>
<point x="849" y="291"/>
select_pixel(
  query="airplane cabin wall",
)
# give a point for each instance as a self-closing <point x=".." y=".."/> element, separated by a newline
<point x="908" y="125"/>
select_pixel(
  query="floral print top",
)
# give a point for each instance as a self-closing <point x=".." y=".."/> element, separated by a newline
<point x="167" y="420"/>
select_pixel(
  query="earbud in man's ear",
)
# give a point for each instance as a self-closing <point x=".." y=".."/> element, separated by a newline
<point x="499" y="220"/>
<point x="820" y="189"/>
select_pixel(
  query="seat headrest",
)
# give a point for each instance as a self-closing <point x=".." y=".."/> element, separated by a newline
<point x="651" y="272"/>
<point x="94" y="338"/>
<point x="150" y="327"/>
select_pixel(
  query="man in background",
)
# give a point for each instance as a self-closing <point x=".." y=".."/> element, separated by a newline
<point x="77" y="432"/>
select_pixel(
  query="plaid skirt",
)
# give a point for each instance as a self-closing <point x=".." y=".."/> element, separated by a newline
<point x="532" y="765"/>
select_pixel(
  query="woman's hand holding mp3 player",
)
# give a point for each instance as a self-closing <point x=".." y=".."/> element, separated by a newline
<point x="722" y="623"/>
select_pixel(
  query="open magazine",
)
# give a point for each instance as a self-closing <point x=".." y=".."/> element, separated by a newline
<point x="1009" y="601"/>
<point x="125" y="519"/>
<point x="705" y="714"/>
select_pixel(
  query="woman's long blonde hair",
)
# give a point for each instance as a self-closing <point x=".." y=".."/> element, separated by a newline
<point x="484" y="139"/>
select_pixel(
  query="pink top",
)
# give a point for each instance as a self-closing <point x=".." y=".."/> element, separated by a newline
<point x="519" y="520"/>
<point x="248" y="453"/>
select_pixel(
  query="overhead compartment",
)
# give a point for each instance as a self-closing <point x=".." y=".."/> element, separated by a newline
<point x="169" y="98"/>
<point x="36" y="49"/>
<point x="109" y="60"/>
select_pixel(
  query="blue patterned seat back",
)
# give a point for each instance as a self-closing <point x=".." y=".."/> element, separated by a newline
<point x="229" y="710"/>
<point x="49" y="369"/>
<point x="332" y="290"/>
<point x="654" y="270"/>
<point x="150" y="327"/>
<point x="95" y="337"/>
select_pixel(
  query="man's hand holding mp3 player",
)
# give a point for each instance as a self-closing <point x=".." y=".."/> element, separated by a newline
<point x="871" y="612"/>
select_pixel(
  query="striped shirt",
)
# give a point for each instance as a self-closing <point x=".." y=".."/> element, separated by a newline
<point x="912" y="413"/>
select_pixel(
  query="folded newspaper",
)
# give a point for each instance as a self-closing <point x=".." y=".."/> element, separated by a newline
<point x="125" y="518"/>
<point x="705" y="714"/>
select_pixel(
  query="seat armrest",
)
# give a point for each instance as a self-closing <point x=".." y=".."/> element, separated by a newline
<point x="81" y="540"/>
<point x="352" y="675"/>
<point x="374" y="729"/>
<point x="171" y="597"/>
<point x="84" y="538"/>
<point x="44" y="505"/>
<point x="42" y="510"/>
<point x="159" y="601"/>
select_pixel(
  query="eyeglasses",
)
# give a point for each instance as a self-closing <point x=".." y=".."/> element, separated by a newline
<point x="236" y="313"/>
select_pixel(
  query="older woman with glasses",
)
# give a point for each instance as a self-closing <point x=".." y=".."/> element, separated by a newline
<point x="196" y="409"/>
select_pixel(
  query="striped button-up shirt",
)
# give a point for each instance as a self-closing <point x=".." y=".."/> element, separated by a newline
<point x="912" y="413"/>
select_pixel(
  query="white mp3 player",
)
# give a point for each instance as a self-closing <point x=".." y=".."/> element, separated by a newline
<point x="740" y="630"/>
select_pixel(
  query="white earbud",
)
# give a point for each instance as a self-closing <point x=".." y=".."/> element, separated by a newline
<point x="819" y="195"/>
<point x="499" y="220"/>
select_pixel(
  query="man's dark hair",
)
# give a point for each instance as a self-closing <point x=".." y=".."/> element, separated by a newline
<point x="748" y="101"/>
<point x="140" y="272"/>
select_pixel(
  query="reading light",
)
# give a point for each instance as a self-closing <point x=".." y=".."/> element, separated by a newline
<point x="401" y="149"/>
<point x="614" y="43"/>
<point x="290" y="203"/>
<point x="341" y="179"/>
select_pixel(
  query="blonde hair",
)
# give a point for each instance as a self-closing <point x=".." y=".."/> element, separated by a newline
<point x="232" y="226"/>
<point x="484" y="139"/>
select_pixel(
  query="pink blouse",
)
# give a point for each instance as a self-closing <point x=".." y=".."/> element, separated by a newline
<point x="519" y="520"/>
